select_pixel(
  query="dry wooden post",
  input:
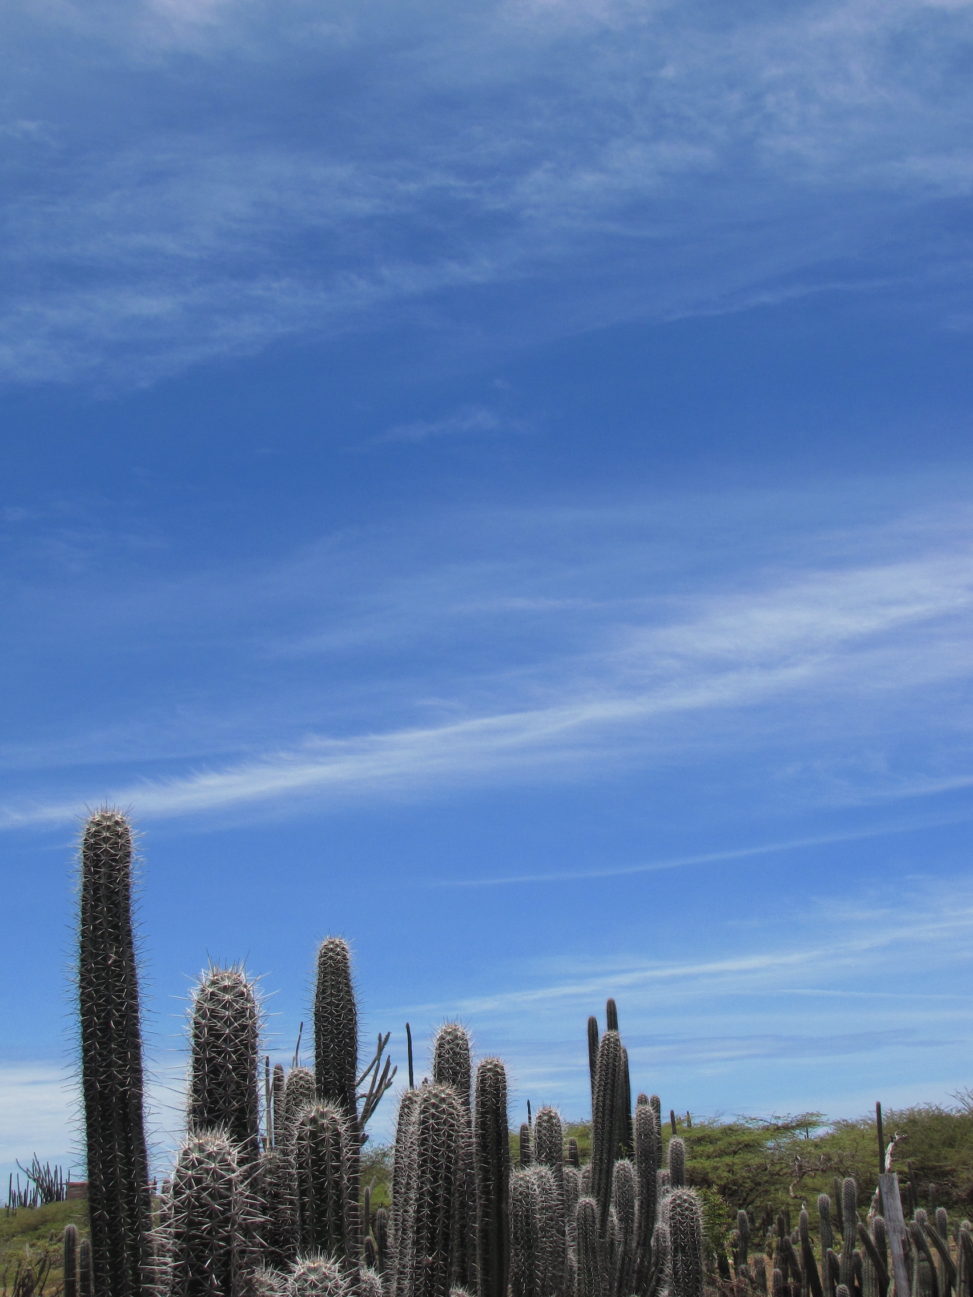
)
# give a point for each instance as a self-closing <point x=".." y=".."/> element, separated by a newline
<point x="888" y="1183"/>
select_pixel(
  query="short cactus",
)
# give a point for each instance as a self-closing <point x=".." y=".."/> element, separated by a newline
<point x="591" y="1278"/>
<point x="318" y="1276"/>
<point x="325" y="1154"/>
<point x="336" y="1028"/>
<point x="452" y="1060"/>
<point x="70" y="1260"/>
<point x="299" y="1091"/>
<point x="210" y="1227"/>
<point x="434" y="1148"/>
<point x="684" y="1220"/>
<point x="224" y="1058"/>
<point x="676" y="1159"/>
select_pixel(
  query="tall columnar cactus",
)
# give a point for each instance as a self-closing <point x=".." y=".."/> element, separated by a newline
<point x="572" y="1192"/>
<point x="871" y="1284"/>
<point x="879" y="1234"/>
<point x="550" y="1205"/>
<point x="403" y="1189"/>
<point x="625" y="1207"/>
<point x="684" y="1219"/>
<point x="424" y="1257"/>
<point x="276" y="1115"/>
<point x="225" y="1058"/>
<point x="85" y="1281"/>
<point x="272" y="1181"/>
<point x="336" y="1028"/>
<point x="605" y="1122"/>
<point x="492" y="1160"/>
<point x="589" y="1259"/>
<point x="849" y="1231"/>
<point x="537" y="1243"/>
<point x="809" y="1267"/>
<point x="592" y="1055"/>
<point x="549" y="1142"/>
<point x="299" y="1091"/>
<point x="524" y="1235"/>
<point x="70" y="1260"/>
<point x="964" y="1259"/>
<point x="661" y="1255"/>
<point x="525" y="1153"/>
<point x="452" y="1065"/>
<point x="741" y="1252"/>
<point x="211" y="1221"/>
<point x="464" y="1244"/>
<point x="925" y="1281"/>
<point x="549" y="1153"/>
<point x="648" y="1163"/>
<point x="119" y="1206"/>
<point x="676" y="1159"/>
<point x="325" y="1157"/>
<point x="625" y="1139"/>
<point x="452" y="1060"/>
<point x="936" y="1232"/>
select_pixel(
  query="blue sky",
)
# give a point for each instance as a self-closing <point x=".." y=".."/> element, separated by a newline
<point x="493" y="481"/>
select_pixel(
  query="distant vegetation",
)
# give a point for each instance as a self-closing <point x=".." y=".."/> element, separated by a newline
<point x="769" y="1165"/>
<point x="763" y="1166"/>
<point x="31" y="1248"/>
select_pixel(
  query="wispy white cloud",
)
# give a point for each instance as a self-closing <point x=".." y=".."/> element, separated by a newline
<point x="813" y="639"/>
<point x="470" y="420"/>
<point x="37" y="1101"/>
<point x="809" y="981"/>
<point x="701" y="858"/>
<point x="840" y="952"/>
<point x="236" y="233"/>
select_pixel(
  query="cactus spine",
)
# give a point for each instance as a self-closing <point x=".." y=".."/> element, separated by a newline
<point x="119" y="1207"/>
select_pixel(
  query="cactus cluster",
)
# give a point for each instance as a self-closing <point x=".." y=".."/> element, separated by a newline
<point x="269" y="1207"/>
<point x="872" y="1255"/>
